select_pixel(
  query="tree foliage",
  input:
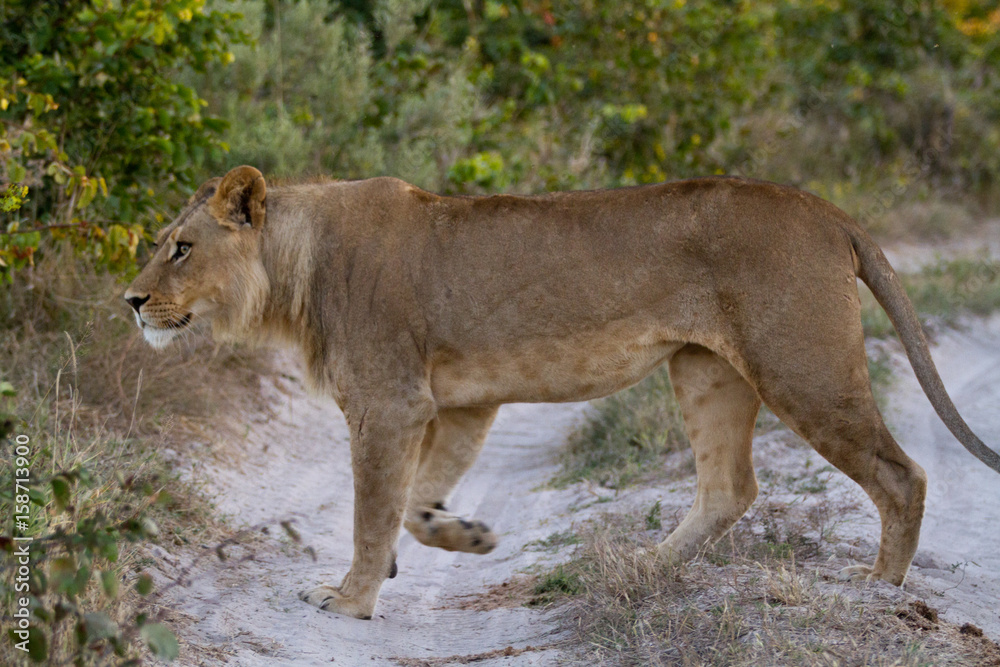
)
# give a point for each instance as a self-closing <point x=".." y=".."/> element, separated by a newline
<point x="312" y="97"/>
<point x="543" y="94"/>
<point x="456" y="95"/>
<point x="93" y="120"/>
<point x="655" y="82"/>
<point x="908" y="77"/>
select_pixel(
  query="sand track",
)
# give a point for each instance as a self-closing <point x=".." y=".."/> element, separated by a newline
<point x="960" y="539"/>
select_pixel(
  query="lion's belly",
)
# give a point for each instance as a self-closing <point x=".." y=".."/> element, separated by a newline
<point x="546" y="370"/>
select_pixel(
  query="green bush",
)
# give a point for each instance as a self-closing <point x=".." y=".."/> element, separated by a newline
<point x="882" y="103"/>
<point x="94" y="122"/>
<point x="310" y="97"/>
<point x="641" y="90"/>
<point x="79" y="525"/>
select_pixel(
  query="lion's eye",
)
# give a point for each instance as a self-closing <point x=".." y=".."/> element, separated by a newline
<point x="182" y="250"/>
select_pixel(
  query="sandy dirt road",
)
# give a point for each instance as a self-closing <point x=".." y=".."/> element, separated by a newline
<point x="960" y="540"/>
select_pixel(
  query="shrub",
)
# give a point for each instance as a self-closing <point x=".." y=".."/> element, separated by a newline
<point x="94" y="122"/>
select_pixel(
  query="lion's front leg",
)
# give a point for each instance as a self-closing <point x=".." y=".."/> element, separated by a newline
<point x="450" y="447"/>
<point x="385" y="445"/>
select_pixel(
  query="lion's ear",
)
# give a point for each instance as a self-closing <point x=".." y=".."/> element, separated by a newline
<point x="206" y="190"/>
<point x="239" y="199"/>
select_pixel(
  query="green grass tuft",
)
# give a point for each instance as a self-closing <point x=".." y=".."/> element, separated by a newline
<point x="626" y="435"/>
<point x="942" y="293"/>
<point x="554" y="542"/>
<point x="653" y="520"/>
<point x="563" y="581"/>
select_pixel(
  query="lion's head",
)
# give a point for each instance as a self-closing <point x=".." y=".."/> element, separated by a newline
<point x="207" y="265"/>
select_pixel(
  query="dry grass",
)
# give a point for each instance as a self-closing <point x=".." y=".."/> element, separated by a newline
<point x="934" y="219"/>
<point x="91" y="393"/>
<point x="748" y="603"/>
<point x="67" y="335"/>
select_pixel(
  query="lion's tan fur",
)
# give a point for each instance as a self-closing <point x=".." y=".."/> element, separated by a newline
<point x="420" y="314"/>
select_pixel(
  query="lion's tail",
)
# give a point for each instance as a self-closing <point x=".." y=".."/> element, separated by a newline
<point x="878" y="274"/>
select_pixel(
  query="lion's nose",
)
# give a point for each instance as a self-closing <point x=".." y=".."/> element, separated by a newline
<point x="137" y="301"/>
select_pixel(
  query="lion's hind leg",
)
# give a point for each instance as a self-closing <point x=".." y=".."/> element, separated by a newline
<point x="832" y="407"/>
<point x="853" y="437"/>
<point x="720" y="410"/>
<point x="450" y="447"/>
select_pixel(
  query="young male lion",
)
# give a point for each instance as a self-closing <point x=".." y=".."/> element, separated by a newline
<point x="421" y="314"/>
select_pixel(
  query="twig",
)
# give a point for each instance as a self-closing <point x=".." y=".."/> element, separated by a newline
<point x="183" y="578"/>
<point x="73" y="225"/>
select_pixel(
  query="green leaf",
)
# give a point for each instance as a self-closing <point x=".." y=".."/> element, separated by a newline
<point x="7" y="389"/>
<point x="99" y="626"/>
<point x="82" y="579"/>
<point x="38" y="649"/>
<point x="109" y="582"/>
<point x="144" y="585"/>
<point x="16" y="172"/>
<point x="37" y="497"/>
<point x="60" y="493"/>
<point x="37" y="103"/>
<point x="216" y="124"/>
<point x="105" y="34"/>
<point x="38" y="583"/>
<point x="110" y="551"/>
<point x="62" y="572"/>
<point x="161" y="641"/>
<point x="38" y="645"/>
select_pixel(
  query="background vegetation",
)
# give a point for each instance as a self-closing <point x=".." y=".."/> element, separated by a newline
<point x="112" y="112"/>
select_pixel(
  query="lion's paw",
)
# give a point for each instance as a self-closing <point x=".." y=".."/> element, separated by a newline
<point x="329" y="598"/>
<point x="855" y="573"/>
<point x="438" y="528"/>
<point x="669" y="556"/>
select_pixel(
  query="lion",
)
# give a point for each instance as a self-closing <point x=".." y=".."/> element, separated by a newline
<point x="421" y="314"/>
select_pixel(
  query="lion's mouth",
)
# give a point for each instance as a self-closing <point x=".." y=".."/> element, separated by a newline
<point x="171" y="324"/>
<point x="179" y="324"/>
<point x="159" y="336"/>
